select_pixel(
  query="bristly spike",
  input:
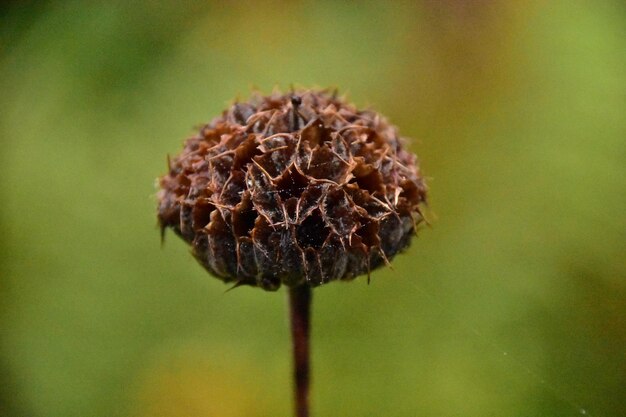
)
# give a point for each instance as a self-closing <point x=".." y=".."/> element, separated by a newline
<point x="295" y="103"/>
<point x="162" y="227"/>
<point x="369" y="268"/>
<point x="236" y="285"/>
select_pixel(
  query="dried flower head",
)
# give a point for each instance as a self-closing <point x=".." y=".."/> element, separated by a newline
<point x="298" y="189"/>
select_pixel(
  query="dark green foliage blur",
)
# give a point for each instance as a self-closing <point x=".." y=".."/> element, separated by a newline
<point x="512" y="304"/>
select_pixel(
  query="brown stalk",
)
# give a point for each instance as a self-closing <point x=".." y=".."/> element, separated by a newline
<point x="300" y="317"/>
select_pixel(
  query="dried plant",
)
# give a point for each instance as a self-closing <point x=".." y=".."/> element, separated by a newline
<point x="297" y="189"/>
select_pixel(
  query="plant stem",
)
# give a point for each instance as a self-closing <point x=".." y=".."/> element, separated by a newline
<point x="300" y="315"/>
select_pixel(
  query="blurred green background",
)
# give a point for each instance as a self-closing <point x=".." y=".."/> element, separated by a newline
<point x="512" y="304"/>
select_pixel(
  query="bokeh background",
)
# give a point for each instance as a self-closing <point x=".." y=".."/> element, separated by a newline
<point x="512" y="304"/>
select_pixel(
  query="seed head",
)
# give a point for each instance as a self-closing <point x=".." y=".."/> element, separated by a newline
<point x="298" y="189"/>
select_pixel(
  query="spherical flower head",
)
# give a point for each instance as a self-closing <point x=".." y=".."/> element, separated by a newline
<point x="294" y="189"/>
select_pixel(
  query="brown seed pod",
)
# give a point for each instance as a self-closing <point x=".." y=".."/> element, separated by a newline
<point x="298" y="189"/>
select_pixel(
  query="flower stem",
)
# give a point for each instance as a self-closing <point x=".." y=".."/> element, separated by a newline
<point x="299" y="309"/>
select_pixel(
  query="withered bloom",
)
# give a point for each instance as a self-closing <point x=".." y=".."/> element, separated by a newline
<point x="298" y="189"/>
